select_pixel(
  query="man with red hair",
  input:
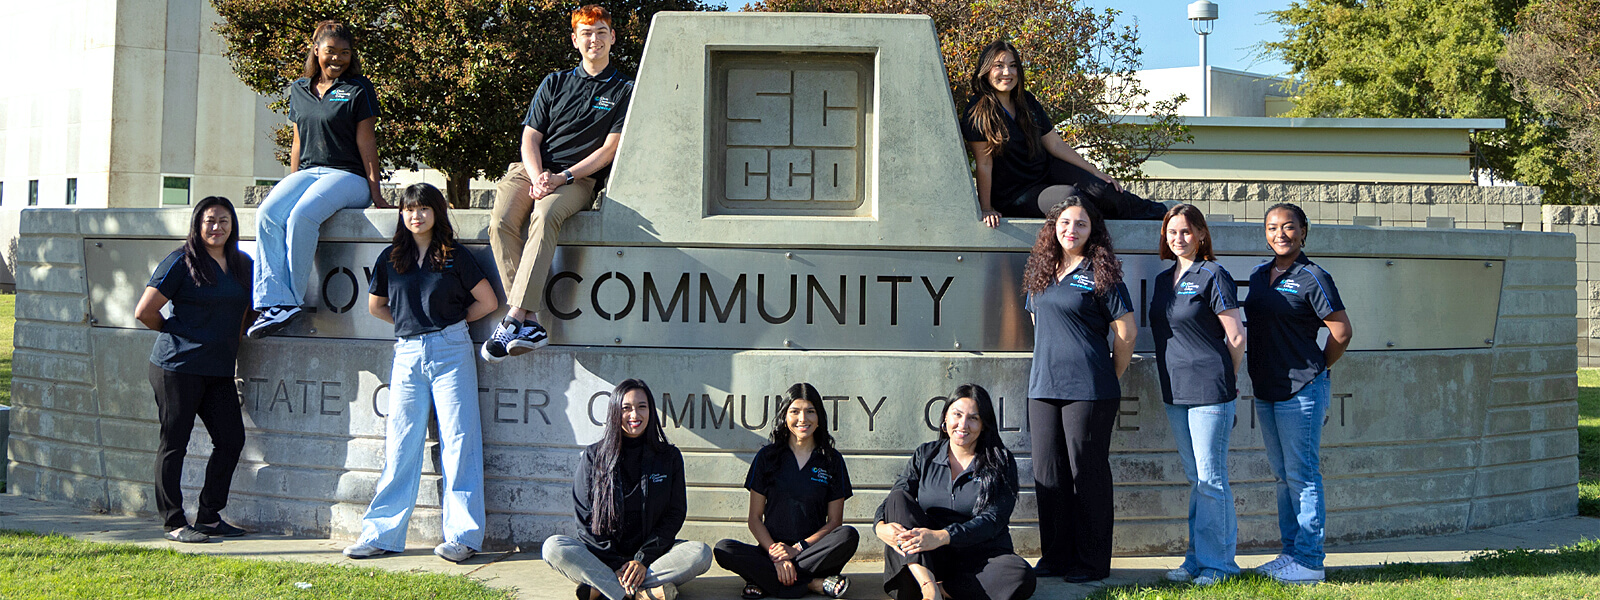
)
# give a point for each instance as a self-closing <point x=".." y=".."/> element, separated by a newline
<point x="568" y="139"/>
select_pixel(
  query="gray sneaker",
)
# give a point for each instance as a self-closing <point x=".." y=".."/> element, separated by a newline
<point x="364" y="550"/>
<point x="453" y="552"/>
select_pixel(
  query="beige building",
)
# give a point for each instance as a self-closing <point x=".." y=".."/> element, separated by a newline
<point x="124" y="104"/>
<point x="1233" y="93"/>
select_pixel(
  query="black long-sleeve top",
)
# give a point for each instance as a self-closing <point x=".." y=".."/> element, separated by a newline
<point x="950" y="504"/>
<point x="652" y="498"/>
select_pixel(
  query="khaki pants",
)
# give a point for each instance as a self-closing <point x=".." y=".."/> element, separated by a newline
<point x="513" y="210"/>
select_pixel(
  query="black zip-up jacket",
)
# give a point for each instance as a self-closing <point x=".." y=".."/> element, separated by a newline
<point x="665" y="506"/>
<point x="950" y="503"/>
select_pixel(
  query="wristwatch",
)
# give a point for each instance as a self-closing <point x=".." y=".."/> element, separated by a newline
<point x="568" y="173"/>
<point x="801" y="545"/>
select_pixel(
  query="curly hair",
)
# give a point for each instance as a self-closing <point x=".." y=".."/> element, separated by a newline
<point x="1044" y="262"/>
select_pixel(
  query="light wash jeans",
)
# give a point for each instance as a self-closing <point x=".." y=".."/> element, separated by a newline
<point x="434" y="370"/>
<point x="1292" y="430"/>
<point x="1201" y="433"/>
<point x="287" y="225"/>
<point x="573" y="560"/>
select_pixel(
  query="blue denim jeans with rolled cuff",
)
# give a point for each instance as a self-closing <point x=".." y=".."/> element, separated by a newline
<point x="572" y="559"/>
<point x="288" y="224"/>
<point x="1292" y="432"/>
<point x="1201" y="434"/>
<point x="433" y="372"/>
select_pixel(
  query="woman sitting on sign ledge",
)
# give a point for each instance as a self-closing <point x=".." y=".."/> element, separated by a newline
<point x="1024" y="167"/>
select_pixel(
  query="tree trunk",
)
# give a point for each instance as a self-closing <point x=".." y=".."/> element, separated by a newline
<point x="457" y="190"/>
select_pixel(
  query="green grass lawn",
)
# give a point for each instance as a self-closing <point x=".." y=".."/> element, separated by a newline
<point x="1589" y="442"/>
<point x="1568" y="573"/>
<point x="34" y="566"/>
<point x="8" y="322"/>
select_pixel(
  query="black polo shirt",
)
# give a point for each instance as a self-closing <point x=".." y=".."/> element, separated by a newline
<point x="1014" y="170"/>
<point x="952" y="505"/>
<point x="202" y="337"/>
<point x="575" y="112"/>
<point x="797" y="496"/>
<point x="1071" y="355"/>
<point x="1282" y="316"/>
<point x="1191" y="345"/>
<point x="328" y="124"/>
<point x="423" y="299"/>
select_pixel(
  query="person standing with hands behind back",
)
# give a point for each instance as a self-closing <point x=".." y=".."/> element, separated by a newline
<point x="193" y="363"/>
<point x="430" y="287"/>
<point x="569" y="137"/>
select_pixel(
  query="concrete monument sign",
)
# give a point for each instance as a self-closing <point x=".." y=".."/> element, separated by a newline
<point x="791" y="203"/>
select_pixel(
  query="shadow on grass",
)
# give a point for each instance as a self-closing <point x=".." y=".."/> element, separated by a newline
<point x="1589" y="442"/>
<point x="1582" y="558"/>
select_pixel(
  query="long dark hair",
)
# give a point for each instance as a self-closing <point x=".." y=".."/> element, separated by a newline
<point x="780" y="425"/>
<point x="404" y="254"/>
<point x="331" y="30"/>
<point x="1045" y="259"/>
<point x="1197" y="222"/>
<point x="195" y="257"/>
<point x="993" y="459"/>
<point x="987" y="111"/>
<point x="603" y="462"/>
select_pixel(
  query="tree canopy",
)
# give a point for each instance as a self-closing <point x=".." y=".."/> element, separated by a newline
<point x="454" y="76"/>
<point x="1554" y="62"/>
<point x="1421" y="59"/>
<point x="1078" y="62"/>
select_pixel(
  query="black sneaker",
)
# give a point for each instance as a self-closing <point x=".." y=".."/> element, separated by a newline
<point x="187" y="535"/>
<point x="495" y="349"/>
<point x="272" y="321"/>
<point x="531" y="336"/>
<point x="220" y="529"/>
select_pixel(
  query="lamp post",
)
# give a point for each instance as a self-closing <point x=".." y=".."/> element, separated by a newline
<point x="1203" y="17"/>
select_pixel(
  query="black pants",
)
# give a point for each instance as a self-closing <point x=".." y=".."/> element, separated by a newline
<point x="966" y="573"/>
<point x="1072" y="483"/>
<point x="181" y="397"/>
<point x="1065" y="179"/>
<point x="824" y="559"/>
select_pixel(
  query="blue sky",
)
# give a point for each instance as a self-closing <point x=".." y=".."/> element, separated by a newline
<point x="1168" y="41"/>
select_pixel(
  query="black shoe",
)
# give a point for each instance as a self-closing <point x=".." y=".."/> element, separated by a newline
<point x="495" y="348"/>
<point x="272" y="321"/>
<point x="1048" y="571"/>
<point x="531" y="336"/>
<point x="220" y="529"/>
<point x="1082" y="577"/>
<point x="583" y="591"/>
<point x="187" y="535"/>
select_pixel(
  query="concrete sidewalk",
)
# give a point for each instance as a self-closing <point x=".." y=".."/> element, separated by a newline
<point x="524" y="572"/>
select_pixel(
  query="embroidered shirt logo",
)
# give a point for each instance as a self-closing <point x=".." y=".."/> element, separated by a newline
<point x="1188" y="288"/>
<point x="819" y="475"/>
<point x="603" y="103"/>
<point x="658" y="477"/>
<point x="339" y="96"/>
<point x="1288" y="286"/>
<point x="1082" y="282"/>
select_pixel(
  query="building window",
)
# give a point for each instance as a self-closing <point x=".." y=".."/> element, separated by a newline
<point x="72" y="191"/>
<point x="33" y="192"/>
<point x="174" y="190"/>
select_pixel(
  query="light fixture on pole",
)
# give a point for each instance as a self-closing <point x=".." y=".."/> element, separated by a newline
<point x="1203" y="16"/>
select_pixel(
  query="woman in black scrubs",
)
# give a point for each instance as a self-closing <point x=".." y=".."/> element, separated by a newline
<point x="1290" y="299"/>
<point x="207" y="281"/>
<point x="798" y="485"/>
<point x="1194" y="315"/>
<point x="947" y="521"/>
<point x="1075" y="292"/>
<point x="1023" y="166"/>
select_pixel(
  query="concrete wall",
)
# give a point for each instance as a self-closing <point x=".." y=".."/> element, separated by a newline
<point x="140" y="89"/>
<point x="1417" y="442"/>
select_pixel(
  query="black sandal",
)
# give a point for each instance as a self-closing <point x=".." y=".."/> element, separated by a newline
<point x="754" y="592"/>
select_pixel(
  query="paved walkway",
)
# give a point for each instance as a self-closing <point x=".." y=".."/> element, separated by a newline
<point x="531" y="579"/>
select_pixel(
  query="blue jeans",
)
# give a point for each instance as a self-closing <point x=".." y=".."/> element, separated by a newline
<point x="287" y="224"/>
<point x="434" y="370"/>
<point x="1201" y="433"/>
<point x="1292" y="430"/>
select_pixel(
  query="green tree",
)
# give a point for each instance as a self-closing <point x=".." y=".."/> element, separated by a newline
<point x="1420" y="59"/>
<point x="454" y="76"/>
<point x="1079" y="64"/>
<point x="1554" y="62"/>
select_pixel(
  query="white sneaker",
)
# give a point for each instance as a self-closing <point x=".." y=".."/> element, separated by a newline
<point x="364" y="550"/>
<point x="453" y="552"/>
<point x="1274" y="564"/>
<point x="271" y="321"/>
<point x="1296" y="574"/>
<point x="1208" y="579"/>
<point x="1179" y="575"/>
